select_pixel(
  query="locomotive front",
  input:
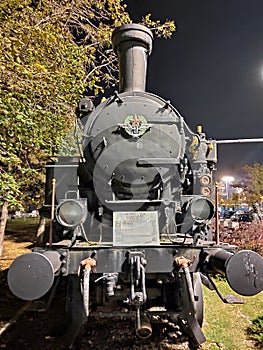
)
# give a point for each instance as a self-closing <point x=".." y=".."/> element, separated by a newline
<point x="132" y="234"/>
<point x="140" y="156"/>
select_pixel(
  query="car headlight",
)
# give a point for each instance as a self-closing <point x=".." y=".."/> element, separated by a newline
<point x="71" y="212"/>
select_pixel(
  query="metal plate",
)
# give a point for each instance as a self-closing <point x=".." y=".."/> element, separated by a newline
<point x="135" y="228"/>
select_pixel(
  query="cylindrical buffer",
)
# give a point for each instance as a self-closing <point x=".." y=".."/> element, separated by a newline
<point x="31" y="275"/>
<point x="243" y="270"/>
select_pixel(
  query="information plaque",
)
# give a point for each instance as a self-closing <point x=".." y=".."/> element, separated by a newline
<point x="135" y="228"/>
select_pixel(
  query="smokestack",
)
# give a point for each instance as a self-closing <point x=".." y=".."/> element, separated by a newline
<point x="133" y="44"/>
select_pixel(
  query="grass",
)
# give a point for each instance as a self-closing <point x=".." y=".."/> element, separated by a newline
<point x="225" y="325"/>
<point x="22" y="225"/>
<point x="20" y="236"/>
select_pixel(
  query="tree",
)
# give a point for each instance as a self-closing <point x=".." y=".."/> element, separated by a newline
<point x="53" y="51"/>
<point x="3" y="219"/>
<point x="254" y="182"/>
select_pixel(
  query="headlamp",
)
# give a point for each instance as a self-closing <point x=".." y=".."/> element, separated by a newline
<point x="71" y="212"/>
<point x="201" y="209"/>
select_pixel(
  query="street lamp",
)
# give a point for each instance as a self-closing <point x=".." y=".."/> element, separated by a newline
<point x="227" y="180"/>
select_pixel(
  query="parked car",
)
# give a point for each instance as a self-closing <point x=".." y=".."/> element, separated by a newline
<point x="242" y="217"/>
<point x="32" y="214"/>
<point x="228" y="213"/>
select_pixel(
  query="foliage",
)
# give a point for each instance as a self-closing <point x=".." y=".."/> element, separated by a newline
<point x="160" y="29"/>
<point x="256" y="330"/>
<point x="252" y="184"/>
<point x="247" y="236"/>
<point x="53" y="51"/>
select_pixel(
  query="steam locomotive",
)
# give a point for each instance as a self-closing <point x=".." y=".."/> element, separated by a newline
<point x="131" y="234"/>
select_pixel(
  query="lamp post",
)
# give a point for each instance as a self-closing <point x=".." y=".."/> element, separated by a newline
<point x="227" y="180"/>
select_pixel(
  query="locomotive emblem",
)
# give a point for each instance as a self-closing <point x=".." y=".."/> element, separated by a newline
<point x="135" y="125"/>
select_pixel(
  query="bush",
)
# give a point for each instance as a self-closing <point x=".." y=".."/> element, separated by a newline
<point x="256" y="330"/>
<point x="247" y="236"/>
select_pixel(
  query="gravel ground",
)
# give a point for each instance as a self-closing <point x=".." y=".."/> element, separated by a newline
<point x="35" y="330"/>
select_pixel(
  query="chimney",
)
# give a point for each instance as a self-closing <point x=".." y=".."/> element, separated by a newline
<point x="133" y="44"/>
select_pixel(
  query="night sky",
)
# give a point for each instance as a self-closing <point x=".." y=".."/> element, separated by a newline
<point x="212" y="70"/>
